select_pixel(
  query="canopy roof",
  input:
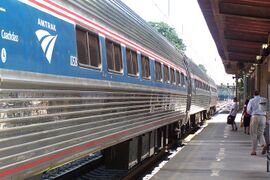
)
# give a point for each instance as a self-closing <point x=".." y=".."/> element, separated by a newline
<point x="239" y="29"/>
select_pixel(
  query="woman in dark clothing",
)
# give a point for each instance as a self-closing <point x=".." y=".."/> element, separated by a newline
<point x="246" y="118"/>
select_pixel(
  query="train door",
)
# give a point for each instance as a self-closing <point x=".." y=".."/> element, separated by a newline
<point x="189" y="89"/>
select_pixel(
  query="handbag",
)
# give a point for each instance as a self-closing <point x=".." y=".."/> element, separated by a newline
<point x="229" y="119"/>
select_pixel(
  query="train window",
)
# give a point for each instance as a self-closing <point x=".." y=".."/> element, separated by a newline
<point x="172" y="76"/>
<point x="82" y="46"/>
<point x="166" y="74"/>
<point x="88" y="48"/>
<point x="182" y="79"/>
<point x="145" y="67"/>
<point x="94" y="50"/>
<point x="177" y="78"/>
<point x="132" y="62"/>
<point x="114" y="58"/>
<point x="158" y="71"/>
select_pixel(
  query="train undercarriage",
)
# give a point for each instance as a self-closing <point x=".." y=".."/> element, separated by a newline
<point x="128" y="156"/>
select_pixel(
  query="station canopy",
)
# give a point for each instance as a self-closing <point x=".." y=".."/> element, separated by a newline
<point x="240" y="29"/>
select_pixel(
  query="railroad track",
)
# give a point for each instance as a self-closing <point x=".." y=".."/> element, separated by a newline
<point x="92" y="167"/>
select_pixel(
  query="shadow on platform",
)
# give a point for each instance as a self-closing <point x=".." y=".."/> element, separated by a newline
<point x="216" y="153"/>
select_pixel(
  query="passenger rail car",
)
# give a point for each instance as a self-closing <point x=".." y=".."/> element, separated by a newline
<point x="214" y="96"/>
<point x="79" y="77"/>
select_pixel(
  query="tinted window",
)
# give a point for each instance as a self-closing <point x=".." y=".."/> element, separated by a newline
<point x="182" y="79"/>
<point x="82" y="46"/>
<point x="109" y="55"/>
<point x="166" y="74"/>
<point x="145" y="67"/>
<point x="158" y="71"/>
<point x="172" y="75"/>
<point x="177" y="78"/>
<point x="88" y="48"/>
<point x="94" y="50"/>
<point x="132" y="62"/>
<point x="114" y="57"/>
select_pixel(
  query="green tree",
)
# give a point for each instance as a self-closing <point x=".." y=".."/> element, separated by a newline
<point x="202" y="68"/>
<point x="169" y="33"/>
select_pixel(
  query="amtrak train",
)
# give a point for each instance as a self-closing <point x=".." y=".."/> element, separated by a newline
<point x="78" y="77"/>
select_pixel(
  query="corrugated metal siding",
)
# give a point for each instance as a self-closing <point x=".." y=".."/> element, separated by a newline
<point x="118" y="17"/>
<point x="38" y="119"/>
<point x="199" y="102"/>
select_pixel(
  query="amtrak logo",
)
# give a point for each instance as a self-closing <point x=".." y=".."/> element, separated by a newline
<point x="47" y="43"/>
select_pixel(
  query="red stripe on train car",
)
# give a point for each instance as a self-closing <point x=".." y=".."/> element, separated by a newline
<point x="78" y="148"/>
<point x="101" y="29"/>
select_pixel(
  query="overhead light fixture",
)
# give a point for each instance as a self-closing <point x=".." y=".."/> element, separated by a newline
<point x="258" y="58"/>
<point x="264" y="46"/>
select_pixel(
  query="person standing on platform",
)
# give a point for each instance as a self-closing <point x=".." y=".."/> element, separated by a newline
<point x="257" y="124"/>
<point x="233" y="113"/>
<point x="246" y="118"/>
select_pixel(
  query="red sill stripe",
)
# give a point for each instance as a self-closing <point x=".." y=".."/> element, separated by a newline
<point x="76" y="149"/>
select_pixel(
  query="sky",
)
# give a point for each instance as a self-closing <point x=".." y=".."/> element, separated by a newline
<point x="187" y="19"/>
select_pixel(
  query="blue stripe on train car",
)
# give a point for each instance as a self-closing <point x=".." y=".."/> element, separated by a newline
<point x="34" y="40"/>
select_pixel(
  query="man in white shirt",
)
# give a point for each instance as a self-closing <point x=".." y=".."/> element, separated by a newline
<point x="257" y="125"/>
<point x="233" y="113"/>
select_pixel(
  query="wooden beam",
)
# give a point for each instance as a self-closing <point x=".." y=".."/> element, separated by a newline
<point x="244" y="10"/>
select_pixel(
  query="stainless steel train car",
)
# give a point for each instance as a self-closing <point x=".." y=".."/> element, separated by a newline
<point x="79" y="77"/>
<point x="214" y="96"/>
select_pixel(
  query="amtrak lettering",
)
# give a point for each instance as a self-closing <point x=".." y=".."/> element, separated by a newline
<point x="11" y="36"/>
<point x="46" y="24"/>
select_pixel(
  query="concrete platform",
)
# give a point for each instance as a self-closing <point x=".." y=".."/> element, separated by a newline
<point x="216" y="153"/>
